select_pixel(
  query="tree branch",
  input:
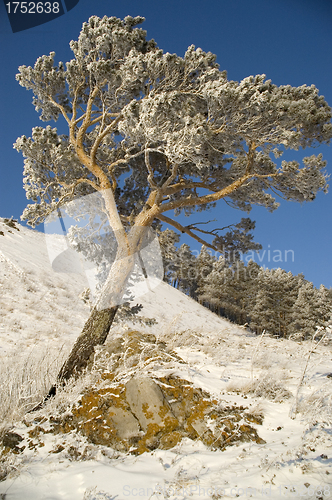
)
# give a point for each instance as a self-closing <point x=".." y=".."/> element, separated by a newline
<point x="80" y="181"/>
<point x="100" y="137"/>
<point x="87" y="119"/>
<point x="77" y="143"/>
<point x="124" y="160"/>
<point x="187" y="185"/>
<point x="74" y="107"/>
<point x="62" y="109"/>
<point x="251" y="157"/>
<point x="212" y="232"/>
<point x="185" y="229"/>
<point x="171" y="177"/>
<point x="209" y="198"/>
<point x="148" y="166"/>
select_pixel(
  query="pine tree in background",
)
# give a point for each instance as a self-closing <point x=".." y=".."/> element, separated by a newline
<point x="213" y="287"/>
<point x="324" y="306"/>
<point x="312" y="309"/>
<point x="272" y="309"/>
<point x="285" y="291"/>
<point x="185" y="270"/>
<point x="304" y="316"/>
<point x="204" y="266"/>
<point x="238" y="295"/>
<point x="252" y="270"/>
<point x="262" y="313"/>
<point x="272" y="300"/>
<point x="167" y="241"/>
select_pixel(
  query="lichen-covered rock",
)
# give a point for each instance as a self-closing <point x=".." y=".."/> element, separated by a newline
<point x="148" y="404"/>
<point x="125" y="423"/>
<point x="145" y="414"/>
<point x="168" y="441"/>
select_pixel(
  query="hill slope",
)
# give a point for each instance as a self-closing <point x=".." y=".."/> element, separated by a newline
<point x="42" y="314"/>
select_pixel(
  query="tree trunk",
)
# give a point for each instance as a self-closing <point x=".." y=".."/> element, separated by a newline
<point x="98" y="325"/>
<point x="94" y="333"/>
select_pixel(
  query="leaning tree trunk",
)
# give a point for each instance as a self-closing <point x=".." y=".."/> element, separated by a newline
<point x="94" y="333"/>
<point x="98" y="325"/>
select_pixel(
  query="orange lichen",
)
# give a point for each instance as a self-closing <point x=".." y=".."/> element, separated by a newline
<point x="187" y="411"/>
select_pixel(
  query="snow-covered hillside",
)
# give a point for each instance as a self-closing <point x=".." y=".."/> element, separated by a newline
<point x="42" y="314"/>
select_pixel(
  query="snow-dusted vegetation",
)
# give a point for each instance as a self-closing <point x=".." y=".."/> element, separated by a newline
<point x="271" y="396"/>
<point x="116" y="384"/>
<point x="269" y="300"/>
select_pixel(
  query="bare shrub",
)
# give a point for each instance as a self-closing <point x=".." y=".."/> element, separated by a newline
<point x="317" y="406"/>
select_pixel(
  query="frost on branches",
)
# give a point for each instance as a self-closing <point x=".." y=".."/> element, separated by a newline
<point x="154" y="132"/>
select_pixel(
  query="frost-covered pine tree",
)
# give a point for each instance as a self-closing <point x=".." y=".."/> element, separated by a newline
<point x="204" y="266"/>
<point x="323" y="306"/>
<point x="312" y="309"/>
<point x="213" y="281"/>
<point x="185" y="270"/>
<point x="252" y="272"/>
<point x="239" y="289"/>
<point x="304" y="314"/>
<point x="167" y="240"/>
<point x="157" y="133"/>
<point x="272" y="308"/>
<point x="284" y="290"/>
<point x="262" y="313"/>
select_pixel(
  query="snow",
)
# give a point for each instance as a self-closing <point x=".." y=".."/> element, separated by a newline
<point x="42" y="314"/>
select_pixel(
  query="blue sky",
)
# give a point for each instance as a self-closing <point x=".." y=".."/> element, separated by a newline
<point x="288" y="40"/>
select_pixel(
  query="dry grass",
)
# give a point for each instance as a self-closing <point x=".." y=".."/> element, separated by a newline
<point x="317" y="406"/>
<point x="25" y="382"/>
<point x="267" y="386"/>
<point x="96" y="494"/>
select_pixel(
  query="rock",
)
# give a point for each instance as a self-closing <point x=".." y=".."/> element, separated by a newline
<point x="148" y="404"/>
<point x="145" y="414"/>
<point x="11" y="223"/>
<point x="178" y="411"/>
<point x="200" y="427"/>
<point x="168" y="441"/>
<point x="11" y="440"/>
<point x="132" y="340"/>
<point x="126" y="425"/>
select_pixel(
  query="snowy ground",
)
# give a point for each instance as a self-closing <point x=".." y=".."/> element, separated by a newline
<point x="42" y="314"/>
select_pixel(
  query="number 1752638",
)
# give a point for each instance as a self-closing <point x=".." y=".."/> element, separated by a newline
<point x="33" y="7"/>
